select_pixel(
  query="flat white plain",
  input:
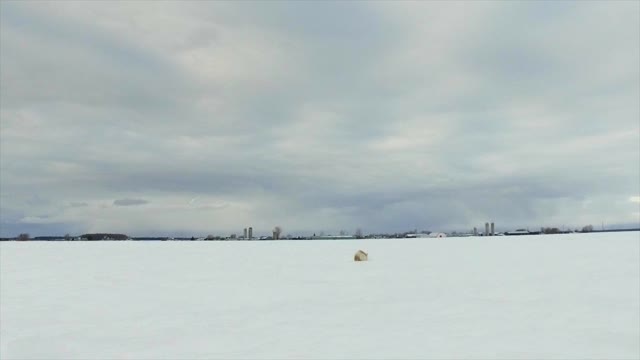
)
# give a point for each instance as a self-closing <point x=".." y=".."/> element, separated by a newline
<point x="571" y="296"/>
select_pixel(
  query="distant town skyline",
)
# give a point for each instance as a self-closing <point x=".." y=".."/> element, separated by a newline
<point x="180" y="118"/>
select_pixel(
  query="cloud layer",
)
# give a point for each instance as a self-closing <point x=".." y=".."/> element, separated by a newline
<point x="317" y="116"/>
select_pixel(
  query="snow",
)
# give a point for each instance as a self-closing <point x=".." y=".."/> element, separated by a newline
<point x="571" y="296"/>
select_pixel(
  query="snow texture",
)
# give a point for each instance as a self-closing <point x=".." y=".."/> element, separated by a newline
<point x="532" y="297"/>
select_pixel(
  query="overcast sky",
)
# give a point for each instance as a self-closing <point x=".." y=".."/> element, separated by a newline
<point x="184" y="118"/>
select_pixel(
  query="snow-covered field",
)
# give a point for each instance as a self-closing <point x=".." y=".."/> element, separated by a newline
<point x="544" y="297"/>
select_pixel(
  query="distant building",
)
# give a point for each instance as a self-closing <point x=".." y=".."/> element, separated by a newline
<point x="437" y="235"/>
<point x="250" y="233"/>
<point x="493" y="229"/>
<point x="245" y="233"/>
<point x="518" y="232"/>
<point x="417" y="235"/>
<point x="486" y="229"/>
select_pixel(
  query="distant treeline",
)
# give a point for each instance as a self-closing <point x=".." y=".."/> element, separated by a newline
<point x="104" y="236"/>
<point x="112" y="236"/>
<point x="92" y="237"/>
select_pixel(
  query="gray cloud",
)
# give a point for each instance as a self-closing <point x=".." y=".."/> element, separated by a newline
<point x="129" y="202"/>
<point x="318" y="116"/>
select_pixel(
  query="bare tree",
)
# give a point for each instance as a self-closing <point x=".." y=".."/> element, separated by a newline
<point x="67" y="237"/>
<point x="276" y="232"/>
<point x="23" y="237"/>
<point x="588" y="228"/>
<point x="210" y="237"/>
<point x="358" y="233"/>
